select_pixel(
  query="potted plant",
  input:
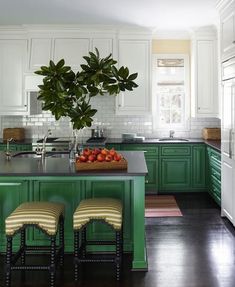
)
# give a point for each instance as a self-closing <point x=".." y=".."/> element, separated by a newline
<point x="67" y="94"/>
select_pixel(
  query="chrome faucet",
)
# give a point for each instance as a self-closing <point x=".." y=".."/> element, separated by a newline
<point x="172" y="134"/>
<point x="43" y="152"/>
<point x="8" y="152"/>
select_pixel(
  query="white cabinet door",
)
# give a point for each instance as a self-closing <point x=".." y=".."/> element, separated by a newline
<point x="135" y="54"/>
<point x="204" y="64"/>
<point x="227" y="187"/>
<point x="228" y="102"/>
<point x="40" y="53"/>
<point x="228" y="32"/>
<point x="105" y="46"/>
<point x="206" y="86"/>
<point x="72" y="51"/>
<point x="13" y="55"/>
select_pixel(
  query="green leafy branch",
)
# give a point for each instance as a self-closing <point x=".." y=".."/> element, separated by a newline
<point x="68" y="94"/>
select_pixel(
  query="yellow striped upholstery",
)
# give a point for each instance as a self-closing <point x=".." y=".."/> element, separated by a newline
<point x="44" y="214"/>
<point x="107" y="209"/>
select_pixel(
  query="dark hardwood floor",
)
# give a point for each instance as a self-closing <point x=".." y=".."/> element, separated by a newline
<point x="196" y="250"/>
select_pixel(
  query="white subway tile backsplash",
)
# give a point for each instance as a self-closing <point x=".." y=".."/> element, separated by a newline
<point x="36" y="126"/>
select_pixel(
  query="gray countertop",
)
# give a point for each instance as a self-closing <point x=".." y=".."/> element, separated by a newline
<point x="152" y="141"/>
<point x="216" y="144"/>
<point x="213" y="143"/>
<point x="63" y="167"/>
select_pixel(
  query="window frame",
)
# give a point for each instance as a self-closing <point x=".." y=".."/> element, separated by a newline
<point x="155" y="100"/>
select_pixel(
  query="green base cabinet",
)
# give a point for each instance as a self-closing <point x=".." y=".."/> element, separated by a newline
<point x="16" y="147"/>
<point x="115" y="146"/>
<point x="175" y="167"/>
<point x="151" y="157"/>
<point x="70" y="190"/>
<point x="199" y="166"/>
<point x="214" y="174"/>
<point x="175" y="174"/>
<point x="172" y="167"/>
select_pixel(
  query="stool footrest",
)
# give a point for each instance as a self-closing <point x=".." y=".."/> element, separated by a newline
<point x="93" y="260"/>
<point x="100" y="242"/>
<point x="30" y="267"/>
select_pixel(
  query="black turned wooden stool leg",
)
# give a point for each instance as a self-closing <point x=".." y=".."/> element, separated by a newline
<point x="8" y="261"/>
<point x="61" y="240"/>
<point x="22" y="246"/>
<point x="83" y="242"/>
<point x="118" y="252"/>
<point x="52" y="261"/>
<point x="76" y="247"/>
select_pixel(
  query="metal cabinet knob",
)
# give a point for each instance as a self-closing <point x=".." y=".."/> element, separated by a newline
<point x="146" y="181"/>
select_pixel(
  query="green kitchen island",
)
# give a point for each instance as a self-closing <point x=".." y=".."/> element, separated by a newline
<point x="55" y="179"/>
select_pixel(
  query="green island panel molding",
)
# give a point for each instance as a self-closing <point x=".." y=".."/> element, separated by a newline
<point x="70" y="190"/>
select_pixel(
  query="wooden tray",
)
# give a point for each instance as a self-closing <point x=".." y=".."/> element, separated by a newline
<point x="104" y="165"/>
<point x="16" y="133"/>
<point x="211" y="133"/>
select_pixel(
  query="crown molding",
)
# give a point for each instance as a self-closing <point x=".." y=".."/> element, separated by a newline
<point x="222" y="4"/>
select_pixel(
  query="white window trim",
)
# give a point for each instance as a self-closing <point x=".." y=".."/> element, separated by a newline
<point x="155" y="100"/>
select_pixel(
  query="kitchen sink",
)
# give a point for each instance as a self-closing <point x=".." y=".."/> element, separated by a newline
<point x="173" y="139"/>
<point x="32" y="154"/>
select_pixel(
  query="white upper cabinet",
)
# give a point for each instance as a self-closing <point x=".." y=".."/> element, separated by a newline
<point x="105" y="46"/>
<point x="40" y="53"/>
<point x="135" y="54"/>
<point x="72" y="51"/>
<point x="204" y="74"/>
<point x="227" y="29"/>
<point x="13" y="58"/>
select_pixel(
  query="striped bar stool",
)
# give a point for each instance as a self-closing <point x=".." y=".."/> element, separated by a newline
<point x="48" y="217"/>
<point x="105" y="210"/>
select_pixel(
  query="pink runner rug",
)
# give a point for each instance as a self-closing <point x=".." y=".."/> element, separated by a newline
<point x="161" y="206"/>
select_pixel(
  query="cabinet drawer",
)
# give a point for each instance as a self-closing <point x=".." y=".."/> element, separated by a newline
<point x="174" y="150"/>
<point x="215" y="156"/>
<point x="216" y="190"/>
<point x="115" y="146"/>
<point x="150" y="150"/>
<point x="215" y="173"/>
<point x="215" y="182"/>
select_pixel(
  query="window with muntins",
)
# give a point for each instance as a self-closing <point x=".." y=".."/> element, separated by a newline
<point x="170" y="88"/>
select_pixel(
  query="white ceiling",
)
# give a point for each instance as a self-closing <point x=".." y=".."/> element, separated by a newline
<point x="154" y="14"/>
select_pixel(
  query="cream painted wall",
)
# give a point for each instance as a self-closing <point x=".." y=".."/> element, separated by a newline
<point x="171" y="47"/>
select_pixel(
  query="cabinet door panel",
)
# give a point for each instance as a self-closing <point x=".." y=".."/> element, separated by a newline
<point x="150" y="150"/>
<point x="66" y="192"/>
<point x="13" y="65"/>
<point x="175" y="150"/>
<point x="227" y="188"/>
<point x="151" y="179"/>
<point x="228" y="32"/>
<point x="205" y="77"/>
<point x="175" y="173"/>
<point x="72" y="51"/>
<point x="12" y="194"/>
<point x="115" y="189"/>
<point x="136" y="101"/>
<point x="40" y="52"/>
<point x="105" y="46"/>
<point x="199" y="166"/>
